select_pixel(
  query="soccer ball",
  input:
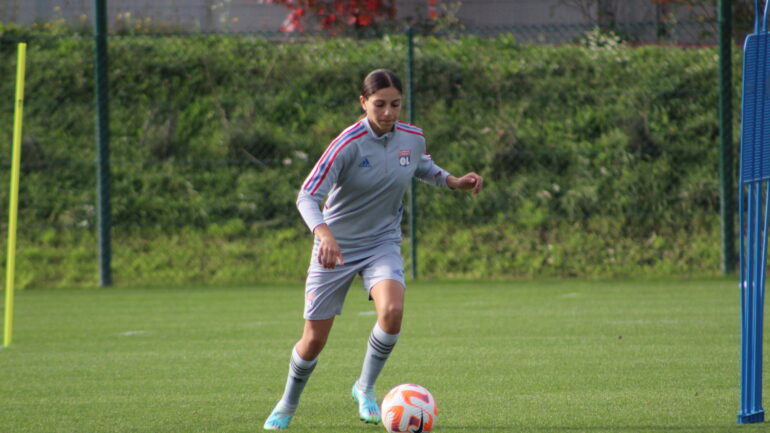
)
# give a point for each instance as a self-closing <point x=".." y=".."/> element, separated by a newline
<point x="409" y="408"/>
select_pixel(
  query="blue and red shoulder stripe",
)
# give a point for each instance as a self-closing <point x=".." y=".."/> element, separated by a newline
<point x="323" y="165"/>
<point x="407" y="127"/>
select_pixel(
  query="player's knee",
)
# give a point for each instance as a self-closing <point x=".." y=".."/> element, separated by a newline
<point x="390" y="318"/>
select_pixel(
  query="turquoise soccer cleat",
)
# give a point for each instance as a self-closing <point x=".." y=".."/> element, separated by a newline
<point x="368" y="410"/>
<point x="278" y="420"/>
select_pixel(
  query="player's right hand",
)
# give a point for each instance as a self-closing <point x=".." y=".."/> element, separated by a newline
<point x="329" y="252"/>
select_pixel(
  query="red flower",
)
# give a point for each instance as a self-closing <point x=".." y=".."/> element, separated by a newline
<point x="364" y="20"/>
<point x="372" y="5"/>
<point x="335" y="14"/>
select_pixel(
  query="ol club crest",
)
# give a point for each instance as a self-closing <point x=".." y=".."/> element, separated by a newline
<point x="404" y="157"/>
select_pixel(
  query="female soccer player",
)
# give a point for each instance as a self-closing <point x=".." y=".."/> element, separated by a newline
<point x="363" y="176"/>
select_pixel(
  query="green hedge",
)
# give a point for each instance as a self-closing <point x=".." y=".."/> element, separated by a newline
<point x="220" y="130"/>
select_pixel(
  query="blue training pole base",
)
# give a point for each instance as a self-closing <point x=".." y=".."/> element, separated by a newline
<point x="751" y="418"/>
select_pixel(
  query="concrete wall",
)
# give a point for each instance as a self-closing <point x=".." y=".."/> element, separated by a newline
<point x="204" y="15"/>
<point x="250" y="15"/>
<point x="540" y="12"/>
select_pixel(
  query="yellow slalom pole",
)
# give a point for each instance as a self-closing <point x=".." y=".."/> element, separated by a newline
<point x="14" y="206"/>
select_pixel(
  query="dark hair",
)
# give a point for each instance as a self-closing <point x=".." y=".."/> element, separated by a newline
<point x="380" y="79"/>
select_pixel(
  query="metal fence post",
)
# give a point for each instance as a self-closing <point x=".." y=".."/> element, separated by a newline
<point x="726" y="136"/>
<point x="413" y="188"/>
<point x="102" y="143"/>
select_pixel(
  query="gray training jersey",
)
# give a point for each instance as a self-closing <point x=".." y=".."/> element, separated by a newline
<point x="365" y="177"/>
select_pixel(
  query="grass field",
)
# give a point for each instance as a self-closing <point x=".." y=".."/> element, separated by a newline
<point x="525" y="356"/>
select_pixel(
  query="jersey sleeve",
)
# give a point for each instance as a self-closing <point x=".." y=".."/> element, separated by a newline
<point x="315" y="188"/>
<point x="430" y="173"/>
<point x="322" y="179"/>
<point x="309" y="209"/>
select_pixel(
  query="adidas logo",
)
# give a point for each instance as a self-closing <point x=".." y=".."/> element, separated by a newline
<point x="365" y="163"/>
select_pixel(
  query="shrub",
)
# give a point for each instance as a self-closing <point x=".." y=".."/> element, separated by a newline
<point x="218" y="130"/>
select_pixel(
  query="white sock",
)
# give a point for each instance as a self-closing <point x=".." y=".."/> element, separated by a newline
<point x="299" y="373"/>
<point x="380" y="345"/>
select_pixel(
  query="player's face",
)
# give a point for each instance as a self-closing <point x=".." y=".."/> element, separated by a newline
<point x="382" y="109"/>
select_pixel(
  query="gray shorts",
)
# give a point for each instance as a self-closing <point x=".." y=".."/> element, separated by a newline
<point x="325" y="289"/>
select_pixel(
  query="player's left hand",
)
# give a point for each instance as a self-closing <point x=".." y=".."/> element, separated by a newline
<point x="470" y="181"/>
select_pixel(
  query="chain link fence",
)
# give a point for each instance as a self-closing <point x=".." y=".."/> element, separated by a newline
<point x="599" y="150"/>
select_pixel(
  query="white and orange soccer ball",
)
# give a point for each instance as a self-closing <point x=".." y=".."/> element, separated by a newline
<point x="409" y="408"/>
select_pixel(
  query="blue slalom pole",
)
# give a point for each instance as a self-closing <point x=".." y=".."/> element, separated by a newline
<point x="754" y="213"/>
